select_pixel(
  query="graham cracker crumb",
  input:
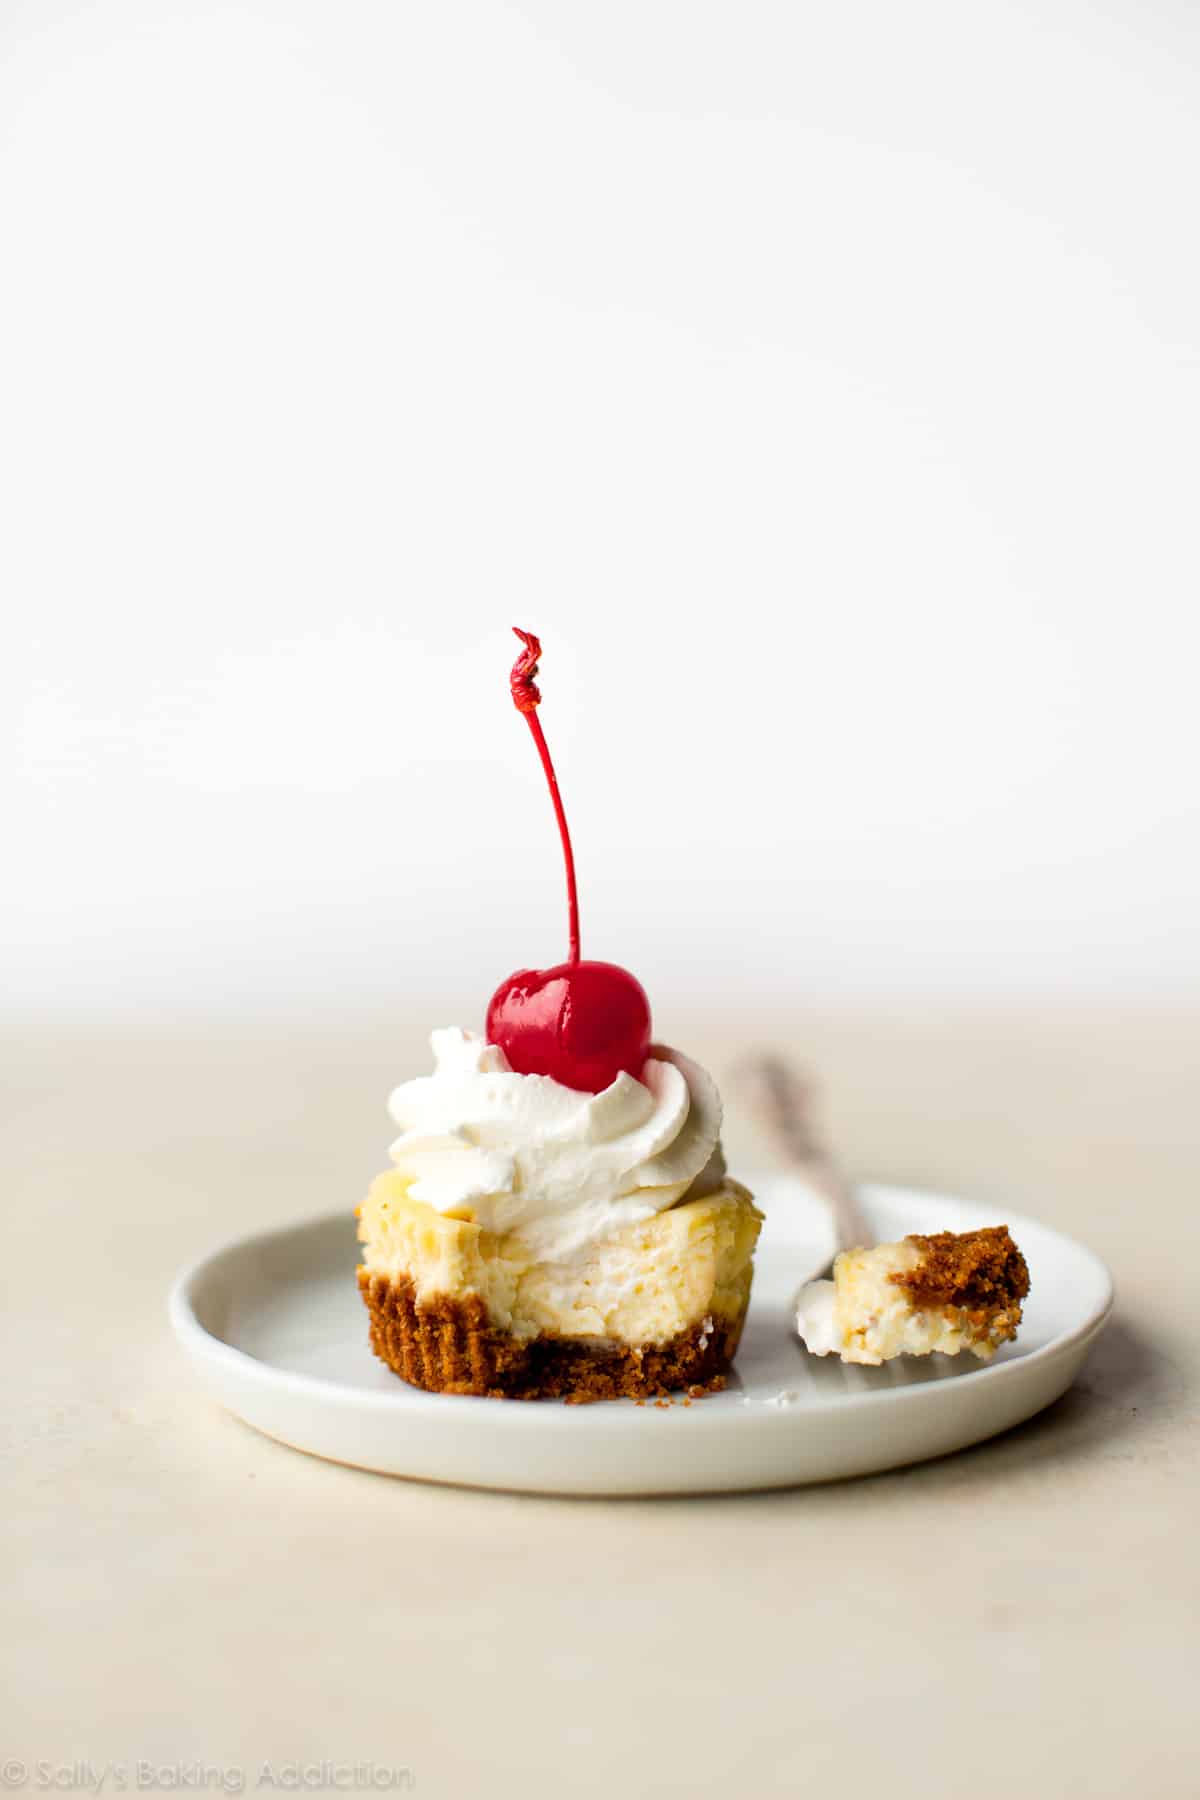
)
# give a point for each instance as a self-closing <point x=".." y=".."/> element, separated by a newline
<point x="970" y="1269"/>
<point x="447" y="1344"/>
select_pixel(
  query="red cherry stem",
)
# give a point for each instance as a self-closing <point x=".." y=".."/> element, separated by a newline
<point x="526" y="699"/>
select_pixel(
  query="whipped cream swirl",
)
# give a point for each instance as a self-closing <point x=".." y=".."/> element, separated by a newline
<point x="524" y="1154"/>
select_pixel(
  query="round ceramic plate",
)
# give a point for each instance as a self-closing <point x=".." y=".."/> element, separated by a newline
<point x="276" y="1329"/>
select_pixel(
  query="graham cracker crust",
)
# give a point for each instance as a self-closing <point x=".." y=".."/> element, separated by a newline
<point x="976" y="1270"/>
<point x="447" y="1344"/>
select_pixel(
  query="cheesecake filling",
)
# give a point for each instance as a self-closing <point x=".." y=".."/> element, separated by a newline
<point x="643" y="1284"/>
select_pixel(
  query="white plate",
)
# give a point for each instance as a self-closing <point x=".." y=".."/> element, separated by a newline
<point x="276" y="1329"/>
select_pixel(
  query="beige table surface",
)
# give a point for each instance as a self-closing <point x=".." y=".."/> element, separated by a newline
<point x="1018" y="1619"/>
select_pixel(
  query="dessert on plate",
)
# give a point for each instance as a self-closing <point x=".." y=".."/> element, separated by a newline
<point x="952" y="1291"/>
<point x="558" y="1220"/>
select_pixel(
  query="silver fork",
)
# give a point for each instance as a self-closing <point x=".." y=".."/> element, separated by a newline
<point x="783" y="1099"/>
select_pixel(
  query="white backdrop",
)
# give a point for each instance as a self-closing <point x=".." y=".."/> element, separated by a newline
<point x="821" y="382"/>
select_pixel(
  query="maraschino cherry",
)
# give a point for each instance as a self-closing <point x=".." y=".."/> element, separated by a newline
<point x="581" y="1022"/>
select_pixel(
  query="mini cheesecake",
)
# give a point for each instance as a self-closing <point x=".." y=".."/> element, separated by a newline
<point x="536" y="1241"/>
<point x="654" y="1306"/>
<point x="951" y="1291"/>
<point x="559" y="1222"/>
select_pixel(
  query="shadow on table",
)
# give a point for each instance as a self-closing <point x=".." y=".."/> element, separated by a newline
<point x="1125" y="1385"/>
